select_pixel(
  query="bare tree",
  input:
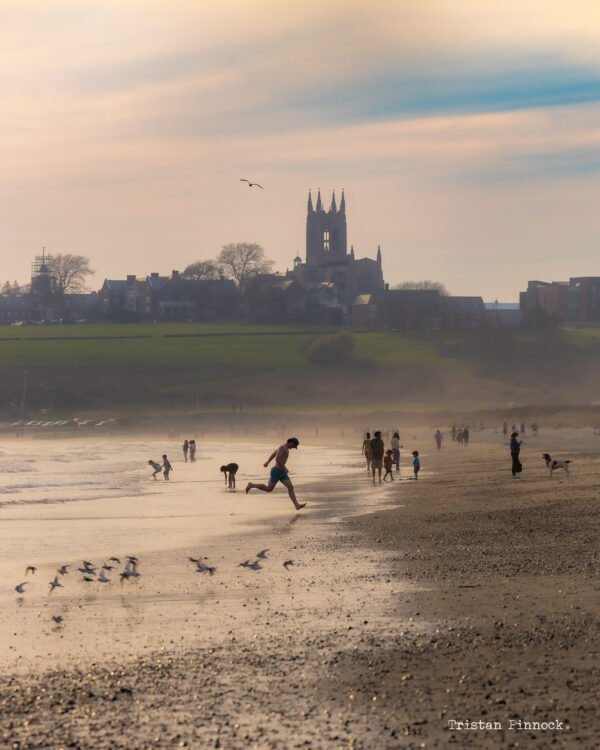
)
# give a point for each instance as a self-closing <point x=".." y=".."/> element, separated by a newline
<point x="425" y="284"/>
<point x="242" y="260"/>
<point x="70" y="273"/>
<point x="201" y="270"/>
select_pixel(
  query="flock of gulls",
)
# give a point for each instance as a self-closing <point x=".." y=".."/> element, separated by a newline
<point x="91" y="573"/>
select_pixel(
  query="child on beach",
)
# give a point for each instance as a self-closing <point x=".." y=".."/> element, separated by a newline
<point x="192" y="446"/>
<point x="388" y="462"/>
<point x="230" y="470"/>
<point x="166" y="467"/>
<point x="157" y="467"/>
<point x="416" y="463"/>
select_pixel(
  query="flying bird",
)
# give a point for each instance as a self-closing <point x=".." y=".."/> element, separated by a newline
<point x="262" y="555"/>
<point x="63" y="570"/>
<point x="103" y="577"/>
<point x="87" y="579"/>
<point x="54" y="584"/>
<point x="287" y="564"/>
<point x="114" y="559"/>
<point x="57" y="619"/>
<point x="251" y="184"/>
<point x="30" y="569"/>
<point x="19" y="587"/>
<point x="106" y="566"/>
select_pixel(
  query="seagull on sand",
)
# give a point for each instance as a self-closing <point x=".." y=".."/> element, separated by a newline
<point x="30" y="569"/>
<point x="63" y="570"/>
<point x="251" y="565"/>
<point x="202" y="568"/>
<point x="251" y="184"/>
<point x="262" y="555"/>
<point x="287" y="564"/>
<point x="19" y="587"/>
<point x="54" y="585"/>
<point x="103" y="578"/>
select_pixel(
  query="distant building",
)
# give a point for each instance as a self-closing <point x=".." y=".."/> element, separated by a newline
<point x="327" y="257"/>
<point x="583" y="299"/>
<point x="15" y="308"/>
<point x="549" y="296"/>
<point x="503" y="314"/>
<point x="573" y="301"/>
<point x="463" y="312"/>
<point x="202" y="299"/>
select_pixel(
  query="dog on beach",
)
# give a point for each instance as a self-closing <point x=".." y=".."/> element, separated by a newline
<point x="553" y="463"/>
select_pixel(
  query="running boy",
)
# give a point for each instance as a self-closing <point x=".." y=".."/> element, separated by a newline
<point x="279" y="472"/>
<point x="416" y="463"/>
<point x="230" y="471"/>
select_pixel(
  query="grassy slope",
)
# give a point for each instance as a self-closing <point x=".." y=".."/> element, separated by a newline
<point x="264" y="367"/>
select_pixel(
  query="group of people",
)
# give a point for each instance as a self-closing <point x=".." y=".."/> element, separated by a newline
<point x="521" y="430"/>
<point x="189" y="447"/>
<point x="378" y="458"/>
<point x="459" y="434"/>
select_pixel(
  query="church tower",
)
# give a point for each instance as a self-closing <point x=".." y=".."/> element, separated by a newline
<point x="326" y="234"/>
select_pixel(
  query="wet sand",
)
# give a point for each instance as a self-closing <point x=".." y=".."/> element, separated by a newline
<point x="465" y="595"/>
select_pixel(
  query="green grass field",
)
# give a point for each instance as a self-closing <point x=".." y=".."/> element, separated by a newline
<point x="174" y="367"/>
<point x="226" y="344"/>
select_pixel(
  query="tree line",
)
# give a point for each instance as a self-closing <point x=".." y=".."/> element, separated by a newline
<point x="238" y="261"/>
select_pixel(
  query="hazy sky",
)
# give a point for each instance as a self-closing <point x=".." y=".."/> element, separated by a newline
<point x="466" y="133"/>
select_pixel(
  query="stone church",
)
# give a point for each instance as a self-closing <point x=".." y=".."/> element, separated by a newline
<point x="327" y="258"/>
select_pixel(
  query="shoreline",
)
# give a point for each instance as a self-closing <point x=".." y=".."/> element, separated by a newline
<point x="389" y="625"/>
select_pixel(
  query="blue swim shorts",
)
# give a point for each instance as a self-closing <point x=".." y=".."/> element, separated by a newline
<point x="278" y="475"/>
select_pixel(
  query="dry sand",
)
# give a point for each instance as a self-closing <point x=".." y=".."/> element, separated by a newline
<point x="465" y="595"/>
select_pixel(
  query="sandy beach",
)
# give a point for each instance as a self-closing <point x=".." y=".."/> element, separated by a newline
<point x="464" y="596"/>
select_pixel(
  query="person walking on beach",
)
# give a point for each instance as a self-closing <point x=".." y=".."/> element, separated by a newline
<point x="388" y="462"/>
<point x="366" y="450"/>
<point x="515" y="450"/>
<point x="416" y="463"/>
<point x="157" y="468"/>
<point x="279" y="472"/>
<point x="438" y="439"/>
<point x="230" y="470"/>
<point x="166" y="467"/>
<point x="453" y="432"/>
<point x="186" y="447"/>
<point x="396" y="449"/>
<point x="192" y="446"/>
<point x="377" y="451"/>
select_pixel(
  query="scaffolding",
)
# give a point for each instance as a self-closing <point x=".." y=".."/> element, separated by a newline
<point x="43" y="280"/>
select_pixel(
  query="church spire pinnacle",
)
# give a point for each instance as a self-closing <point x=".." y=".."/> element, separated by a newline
<point x="310" y="205"/>
<point x="343" y="203"/>
<point x="379" y="255"/>
<point x="333" y="208"/>
<point x="319" y="204"/>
